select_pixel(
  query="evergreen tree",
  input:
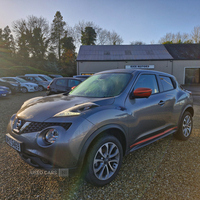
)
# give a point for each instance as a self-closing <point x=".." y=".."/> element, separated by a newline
<point x="88" y="36"/>
<point x="57" y="31"/>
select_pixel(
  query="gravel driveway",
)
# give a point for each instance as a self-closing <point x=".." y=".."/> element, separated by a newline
<point x="166" y="169"/>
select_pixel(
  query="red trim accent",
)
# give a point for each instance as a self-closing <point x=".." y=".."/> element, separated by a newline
<point x="142" y="92"/>
<point x="155" y="136"/>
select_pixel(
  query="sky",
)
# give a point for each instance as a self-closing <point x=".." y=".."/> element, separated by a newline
<point x="133" y="20"/>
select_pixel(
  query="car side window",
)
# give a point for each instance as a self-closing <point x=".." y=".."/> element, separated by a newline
<point x="147" y="81"/>
<point x="166" y="83"/>
<point x="61" y="82"/>
<point x="29" y="78"/>
<point x="42" y="78"/>
<point x="11" y="79"/>
<point x="72" y="83"/>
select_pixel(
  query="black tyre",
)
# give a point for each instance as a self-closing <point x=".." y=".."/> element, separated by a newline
<point x="185" y="127"/>
<point x="103" y="161"/>
<point x="12" y="91"/>
<point x="24" y="90"/>
<point x="40" y="88"/>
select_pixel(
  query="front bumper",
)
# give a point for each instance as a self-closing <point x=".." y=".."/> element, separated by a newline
<point x="64" y="153"/>
<point x="5" y="94"/>
<point x="31" y="89"/>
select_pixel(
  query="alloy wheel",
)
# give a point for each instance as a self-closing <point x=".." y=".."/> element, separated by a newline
<point x="187" y="125"/>
<point x="106" y="161"/>
<point x="40" y="88"/>
<point x="24" y="90"/>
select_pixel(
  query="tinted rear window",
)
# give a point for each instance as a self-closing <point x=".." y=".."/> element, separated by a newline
<point x="61" y="82"/>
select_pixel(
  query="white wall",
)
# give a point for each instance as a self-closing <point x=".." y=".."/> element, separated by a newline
<point x="177" y="68"/>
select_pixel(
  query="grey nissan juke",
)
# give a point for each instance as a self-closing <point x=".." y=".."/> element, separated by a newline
<point x="107" y="116"/>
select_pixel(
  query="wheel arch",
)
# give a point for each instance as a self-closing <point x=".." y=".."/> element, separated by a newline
<point x="24" y="88"/>
<point x="188" y="108"/>
<point x="113" y="130"/>
<point x="41" y="86"/>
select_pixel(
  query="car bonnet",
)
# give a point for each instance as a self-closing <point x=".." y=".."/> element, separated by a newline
<point x="43" y="108"/>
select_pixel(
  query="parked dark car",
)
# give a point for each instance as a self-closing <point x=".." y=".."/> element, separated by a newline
<point x="55" y="76"/>
<point x="104" y="118"/>
<point x="4" y="91"/>
<point x="82" y="77"/>
<point x="61" y="85"/>
<point x="42" y="85"/>
<point x="14" y="87"/>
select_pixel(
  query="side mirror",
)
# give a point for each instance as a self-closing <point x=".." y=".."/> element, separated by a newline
<point x="142" y="93"/>
<point x="73" y="87"/>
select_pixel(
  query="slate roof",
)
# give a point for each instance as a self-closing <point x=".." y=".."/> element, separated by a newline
<point x="139" y="52"/>
<point x="123" y="52"/>
<point x="184" y="51"/>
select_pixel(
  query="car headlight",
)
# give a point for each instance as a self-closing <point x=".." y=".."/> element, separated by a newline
<point x="51" y="135"/>
<point x="67" y="113"/>
<point x="76" y="110"/>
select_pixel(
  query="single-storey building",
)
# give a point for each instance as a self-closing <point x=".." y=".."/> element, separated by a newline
<point x="181" y="60"/>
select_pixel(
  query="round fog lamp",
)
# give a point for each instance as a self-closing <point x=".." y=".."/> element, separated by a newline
<point x="51" y="135"/>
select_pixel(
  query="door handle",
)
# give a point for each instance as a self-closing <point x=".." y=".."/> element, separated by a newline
<point x="161" y="103"/>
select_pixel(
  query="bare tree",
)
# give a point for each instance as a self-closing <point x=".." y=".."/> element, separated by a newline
<point x="32" y="38"/>
<point x="32" y="22"/>
<point x="79" y="28"/>
<point x="152" y="42"/>
<point x="19" y="27"/>
<point x="38" y="22"/>
<point x="104" y="37"/>
<point x="175" y="38"/>
<point x="114" y="38"/>
<point x="137" y="43"/>
<point x="196" y="34"/>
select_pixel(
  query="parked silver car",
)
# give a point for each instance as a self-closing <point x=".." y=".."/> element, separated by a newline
<point x="42" y="76"/>
<point x="25" y="86"/>
<point x="42" y="85"/>
<point x="107" y="116"/>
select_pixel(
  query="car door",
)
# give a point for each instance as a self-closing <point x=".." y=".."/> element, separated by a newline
<point x="12" y="80"/>
<point x="169" y="97"/>
<point x="149" y="117"/>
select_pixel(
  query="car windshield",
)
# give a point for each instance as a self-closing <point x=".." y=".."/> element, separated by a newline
<point x="37" y="78"/>
<point x="102" y="85"/>
<point x="46" y="78"/>
<point x="21" y="80"/>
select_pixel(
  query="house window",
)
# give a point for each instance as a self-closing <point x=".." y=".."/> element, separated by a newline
<point x="192" y="75"/>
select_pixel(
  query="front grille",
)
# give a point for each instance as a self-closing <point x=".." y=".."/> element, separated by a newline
<point x="38" y="126"/>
